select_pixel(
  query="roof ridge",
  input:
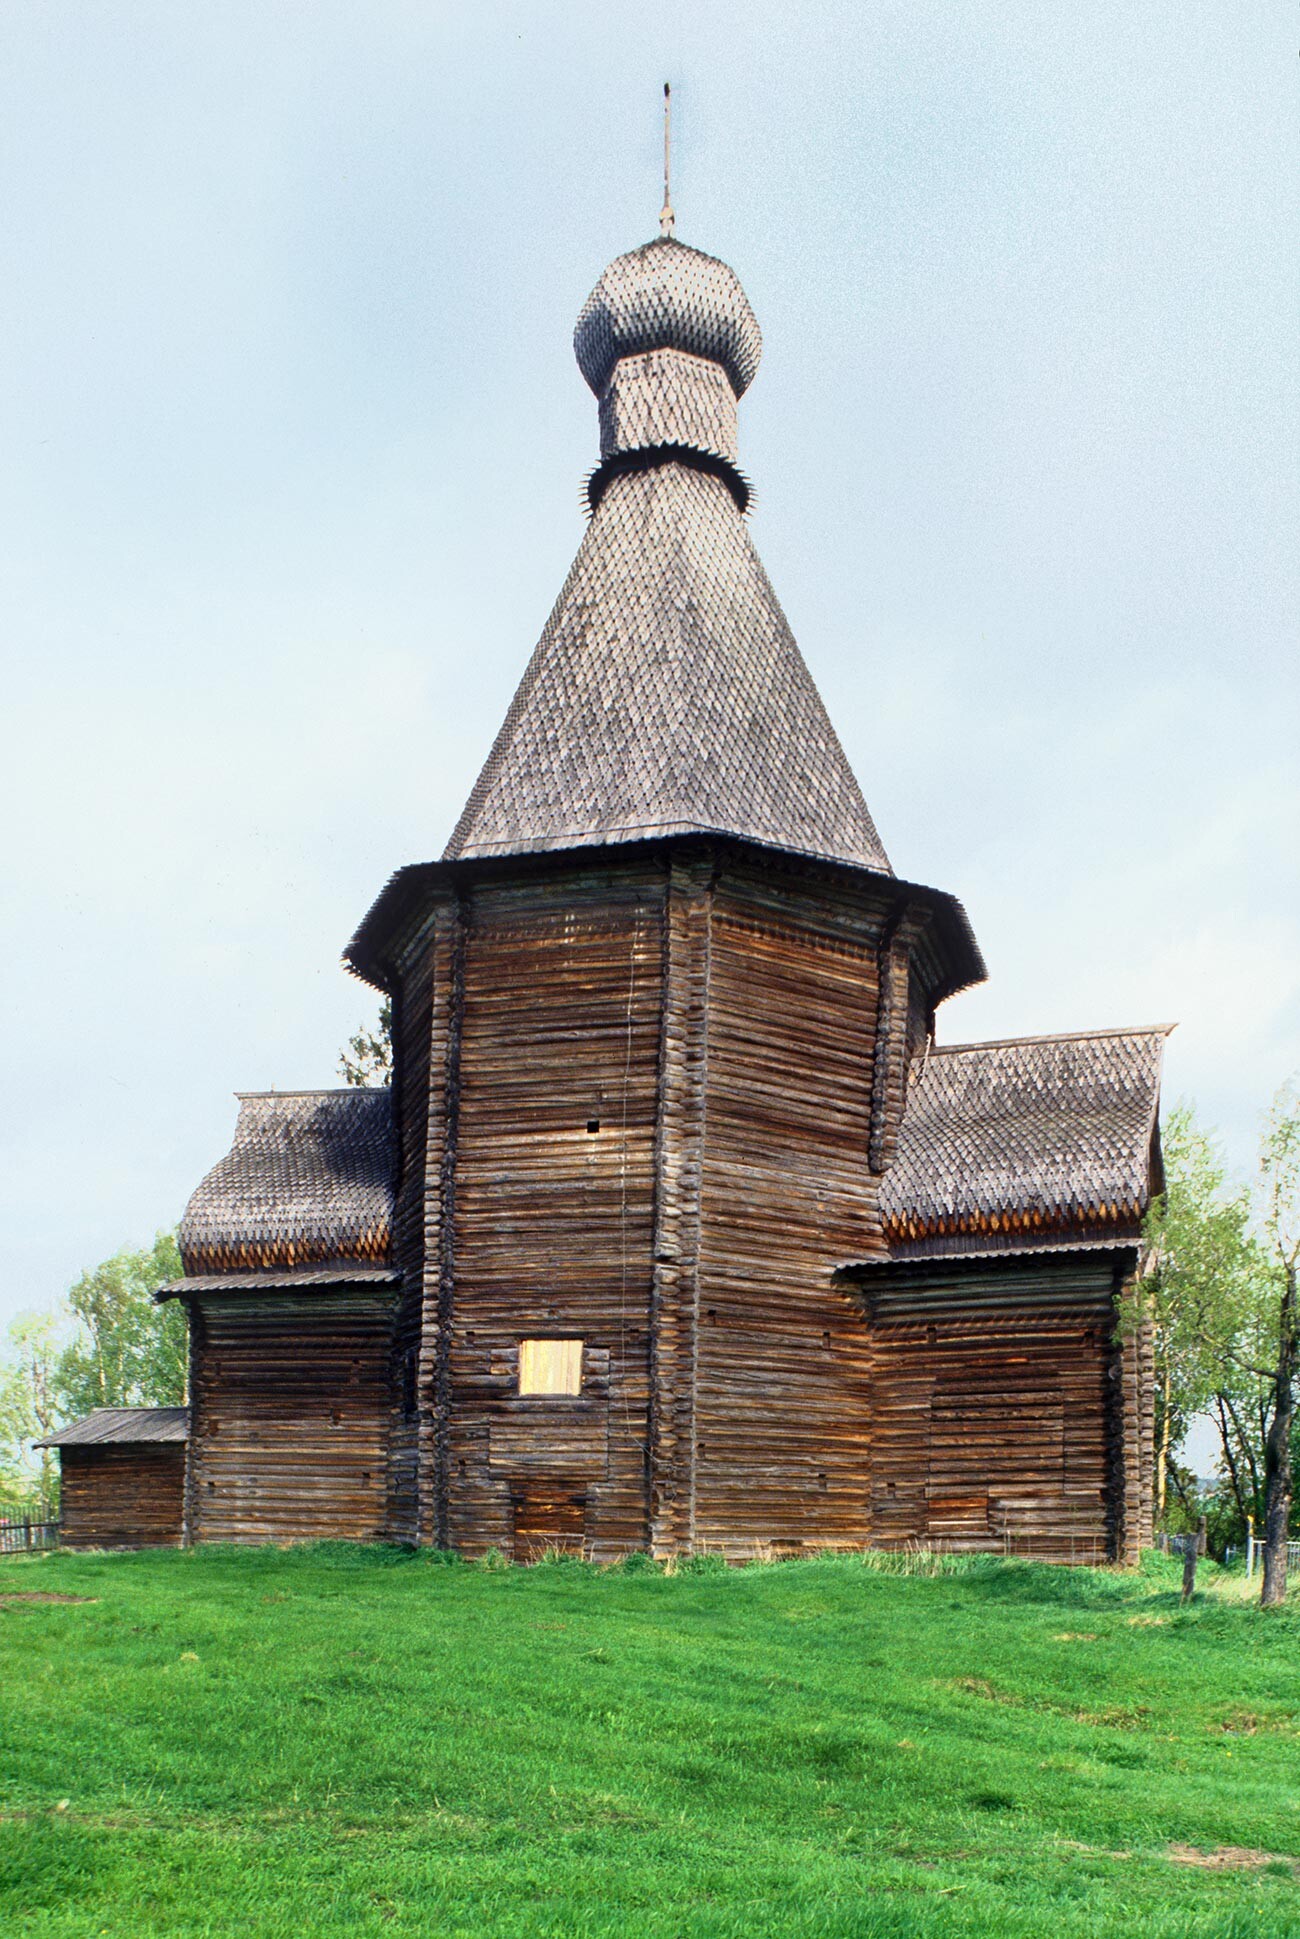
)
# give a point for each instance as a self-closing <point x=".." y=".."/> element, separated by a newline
<point x="1057" y="1037"/>
<point x="335" y="1090"/>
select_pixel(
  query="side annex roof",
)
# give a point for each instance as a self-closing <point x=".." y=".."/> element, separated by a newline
<point x="1028" y="1142"/>
<point x="308" y="1181"/>
<point x="119" y="1426"/>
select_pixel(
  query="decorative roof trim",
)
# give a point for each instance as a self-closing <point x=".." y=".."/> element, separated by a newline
<point x="648" y="457"/>
<point x="1060" y="1250"/>
<point x="334" y="1272"/>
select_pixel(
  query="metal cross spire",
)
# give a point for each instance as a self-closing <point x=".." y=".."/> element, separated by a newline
<point x="666" y="216"/>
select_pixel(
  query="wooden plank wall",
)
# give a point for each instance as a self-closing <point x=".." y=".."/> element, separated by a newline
<point x="290" y="1417"/>
<point x="129" y="1496"/>
<point x="782" y="1410"/>
<point x="552" y="1223"/>
<point x="991" y="1408"/>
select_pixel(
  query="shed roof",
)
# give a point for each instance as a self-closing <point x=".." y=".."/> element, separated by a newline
<point x="1024" y="1141"/>
<point x="111" y="1426"/>
<point x="309" y="1178"/>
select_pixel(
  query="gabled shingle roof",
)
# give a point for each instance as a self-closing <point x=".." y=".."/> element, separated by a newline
<point x="308" y="1179"/>
<point x="112" y="1426"/>
<point x="1030" y="1141"/>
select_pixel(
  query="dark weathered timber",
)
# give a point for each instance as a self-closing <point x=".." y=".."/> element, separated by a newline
<point x="440" y="1216"/>
<point x="424" y="1060"/>
<point x="122" y="1497"/>
<point x="193" y="1358"/>
<point x="552" y="1222"/>
<point x="679" y="1151"/>
<point x="782" y="1409"/>
<point x="290" y="1417"/>
<point x="996" y="1407"/>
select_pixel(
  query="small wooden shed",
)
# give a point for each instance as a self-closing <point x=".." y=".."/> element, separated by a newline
<point x="123" y="1477"/>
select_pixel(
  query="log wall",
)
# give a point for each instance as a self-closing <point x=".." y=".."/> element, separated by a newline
<point x="994" y="1409"/>
<point x="129" y="1496"/>
<point x="549" y="1230"/>
<point x="290" y="1416"/>
<point x="646" y="1104"/>
<point x="782" y="1403"/>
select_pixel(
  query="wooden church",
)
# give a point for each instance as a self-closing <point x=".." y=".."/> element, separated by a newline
<point x="677" y="1230"/>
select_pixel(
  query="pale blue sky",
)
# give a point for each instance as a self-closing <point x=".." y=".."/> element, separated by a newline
<point x="291" y="442"/>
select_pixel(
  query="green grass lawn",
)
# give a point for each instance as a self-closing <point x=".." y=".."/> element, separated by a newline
<point x="340" y="1740"/>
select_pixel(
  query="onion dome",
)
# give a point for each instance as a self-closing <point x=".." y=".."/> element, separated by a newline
<point x="668" y="342"/>
<point x="667" y="296"/>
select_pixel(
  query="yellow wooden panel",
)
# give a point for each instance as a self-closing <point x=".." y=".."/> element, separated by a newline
<point x="550" y="1366"/>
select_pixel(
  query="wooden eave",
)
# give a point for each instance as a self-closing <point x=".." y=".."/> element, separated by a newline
<point x="955" y="961"/>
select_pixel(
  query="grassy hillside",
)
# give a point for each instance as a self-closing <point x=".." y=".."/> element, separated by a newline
<point x="348" y="1741"/>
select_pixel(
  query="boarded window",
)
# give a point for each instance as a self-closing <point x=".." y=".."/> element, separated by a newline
<point x="550" y="1366"/>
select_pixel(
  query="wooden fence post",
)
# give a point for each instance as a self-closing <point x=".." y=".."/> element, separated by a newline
<point x="1190" y="1552"/>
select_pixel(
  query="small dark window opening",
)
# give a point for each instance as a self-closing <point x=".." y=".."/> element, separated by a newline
<point x="593" y="1126"/>
<point x="410" y="1370"/>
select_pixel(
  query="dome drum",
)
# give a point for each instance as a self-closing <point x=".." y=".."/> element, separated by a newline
<point x="668" y="397"/>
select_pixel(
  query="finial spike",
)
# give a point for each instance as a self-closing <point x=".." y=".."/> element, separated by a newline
<point x="667" y="219"/>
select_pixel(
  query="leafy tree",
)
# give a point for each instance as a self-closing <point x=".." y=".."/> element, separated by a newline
<point x="1222" y="1292"/>
<point x="1203" y="1262"/>
<point x="1280" y="1191"/>
<point x="366" y="1060"/>
<point x="126" y="1350"/>
<point x="29" y="1410"/>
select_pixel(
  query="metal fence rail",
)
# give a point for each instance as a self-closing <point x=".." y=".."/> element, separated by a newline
<point x="1253" y="1550"/>
<point x="18" y="1537"/>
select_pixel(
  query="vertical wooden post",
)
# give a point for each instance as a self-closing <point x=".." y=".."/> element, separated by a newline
<point x="1193" y="1549"/>
<point x="448" y="945"/>
<point x="679" y="1155"/>
<point x="190" y="1489"/>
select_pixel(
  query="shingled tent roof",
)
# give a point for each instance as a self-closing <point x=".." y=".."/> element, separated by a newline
<point x="308" y="1180"/>
<point x="1031" y="1141"/>
<point x="114" y="1426"/>
<point x="667" y="695"/>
